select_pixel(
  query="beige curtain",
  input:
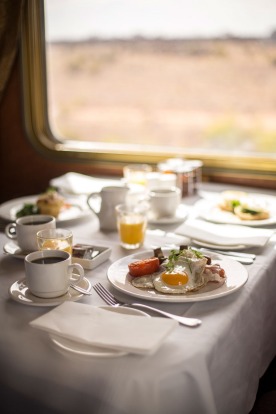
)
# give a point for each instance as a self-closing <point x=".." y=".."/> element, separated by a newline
<point x="10" y="20"/>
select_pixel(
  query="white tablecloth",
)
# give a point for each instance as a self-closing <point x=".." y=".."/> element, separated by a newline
<point x="213" y="369"/>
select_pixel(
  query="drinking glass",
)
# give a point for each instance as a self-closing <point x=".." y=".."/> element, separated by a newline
<point x="131" y="224"/>
<point x="137" y="173"/>
<point x="55" y="239"/>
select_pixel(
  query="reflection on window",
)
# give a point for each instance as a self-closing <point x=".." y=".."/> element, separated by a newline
<point x="178" y="73"/>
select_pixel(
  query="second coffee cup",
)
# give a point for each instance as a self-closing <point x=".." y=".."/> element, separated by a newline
<point x="164" y="201"/>
<point x="24" y="230"/>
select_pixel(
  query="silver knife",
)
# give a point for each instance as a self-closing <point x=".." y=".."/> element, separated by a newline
<point x="216" y="255"/>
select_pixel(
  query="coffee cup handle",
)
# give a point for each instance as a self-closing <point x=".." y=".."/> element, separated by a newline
<point x="80" y="272"/>
<point x="10" y="230"/>
<point x="91" y="196"/>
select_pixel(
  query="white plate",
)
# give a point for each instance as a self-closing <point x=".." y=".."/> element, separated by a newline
<point x="14" y="250"/>
<point x="208" y="210"/>
<point x="180" y="215"/>
<point x="220" y="246"/>
<point x="20" y="292"/>
<point x="94" y="351"/>
<point x="78" y="209"/>
<point x="236" y="277"/>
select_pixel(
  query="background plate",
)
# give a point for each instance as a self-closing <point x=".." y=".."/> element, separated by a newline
<point x="77" y="211"/>
<point x="209" y="211"/>
<point x="236" y="275"/>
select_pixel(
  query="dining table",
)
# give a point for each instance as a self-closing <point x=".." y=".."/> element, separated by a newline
<point x="214" y="368"/>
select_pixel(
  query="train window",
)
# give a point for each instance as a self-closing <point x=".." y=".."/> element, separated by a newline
<point x="151" y="78"/>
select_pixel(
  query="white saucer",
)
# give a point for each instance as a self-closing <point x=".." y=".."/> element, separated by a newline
<point x="220" y="246"/>
<point x="14" y="250"/>
<point x="94" y="351"/>
<point x="21" y="293"/>
<point x="180" y="215"/>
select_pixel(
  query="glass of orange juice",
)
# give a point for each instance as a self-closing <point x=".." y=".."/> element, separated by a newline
<point x="55" y="239"/>
<point x="131" y="224"/>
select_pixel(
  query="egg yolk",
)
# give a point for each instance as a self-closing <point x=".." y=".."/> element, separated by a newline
<point x="175" y="279"/>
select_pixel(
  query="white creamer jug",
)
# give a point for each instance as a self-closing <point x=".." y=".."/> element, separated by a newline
<point x="103" y="205"/>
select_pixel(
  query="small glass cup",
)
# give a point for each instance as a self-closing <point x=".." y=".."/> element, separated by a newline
<point x="132" y="224"/>
<point x="55" y="239"/>
<point x="137" y="173"/>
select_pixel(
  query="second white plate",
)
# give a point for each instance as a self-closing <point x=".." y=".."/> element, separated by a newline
<point x="220" y="246"/>
<point x="94" y="351"/>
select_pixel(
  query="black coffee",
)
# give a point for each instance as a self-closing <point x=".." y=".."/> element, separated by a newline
<point x="48" y="260"/>
<point x="35" y="223"/>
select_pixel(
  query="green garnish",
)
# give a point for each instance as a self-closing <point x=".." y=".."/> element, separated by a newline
<point x="27" y="210"/>
<point x="248" y="211"/>
<point x="176" y="254"/>
<point x="235" y="203"/>
<point x="173" y="257"/>
<point x="198" y="254"/>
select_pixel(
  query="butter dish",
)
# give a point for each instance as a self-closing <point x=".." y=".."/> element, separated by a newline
<point x="90" y="256"/>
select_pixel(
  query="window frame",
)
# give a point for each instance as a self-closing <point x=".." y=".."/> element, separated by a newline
<point x="106" y="156"/>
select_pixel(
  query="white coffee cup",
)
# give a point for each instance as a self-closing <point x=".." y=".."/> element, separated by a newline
<point x="164" y="201"/>
<point x="49" y="273"/>
<point x="24" y="230"/>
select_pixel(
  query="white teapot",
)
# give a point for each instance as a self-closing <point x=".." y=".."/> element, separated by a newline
<point x="103" y="205"/>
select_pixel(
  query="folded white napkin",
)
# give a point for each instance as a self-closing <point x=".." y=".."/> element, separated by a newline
<point x="224" y="233"/>
<point x="75" y="183"/>
<point x="90" y="325"/>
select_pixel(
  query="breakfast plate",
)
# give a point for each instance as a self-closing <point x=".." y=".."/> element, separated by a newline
<point x="77" y="209"/>
<point x="20" y="292"/>
<point x="94" y="351"/>
<point x="208" y="210"/>
<point x="180" y="215"/>
<point x="236" y="277"/>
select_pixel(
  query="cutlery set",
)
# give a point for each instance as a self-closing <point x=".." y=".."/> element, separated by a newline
<point x="112" y="301"/>
<point x="244" y="258"/>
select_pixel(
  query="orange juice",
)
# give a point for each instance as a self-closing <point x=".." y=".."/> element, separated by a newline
<point x="132" y="223"/>
<point x="132" y="232"/>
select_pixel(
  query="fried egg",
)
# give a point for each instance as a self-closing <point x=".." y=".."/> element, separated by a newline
<point x="146" y="282"/>
<point x="143" y="282"/>
<point x="186" y="276"/>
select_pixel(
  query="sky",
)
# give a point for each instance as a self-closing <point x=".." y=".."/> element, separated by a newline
<point x="82" y="19"/>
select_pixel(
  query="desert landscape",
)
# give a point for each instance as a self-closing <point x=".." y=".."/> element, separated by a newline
<point x="213" y="94"/>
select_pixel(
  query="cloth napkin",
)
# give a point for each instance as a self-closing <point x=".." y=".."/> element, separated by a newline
<point x="91" y="325"/>
<point x="224" y="233"/>
<point x="75" y="183"/>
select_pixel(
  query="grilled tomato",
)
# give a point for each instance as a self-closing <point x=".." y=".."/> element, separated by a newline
<point x="143" y="267"/>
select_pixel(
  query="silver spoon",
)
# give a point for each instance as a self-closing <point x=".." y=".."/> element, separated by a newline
<point x="81" y="290"/>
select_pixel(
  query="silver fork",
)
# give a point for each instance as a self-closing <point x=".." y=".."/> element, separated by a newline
<point x="111" y="300"/>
